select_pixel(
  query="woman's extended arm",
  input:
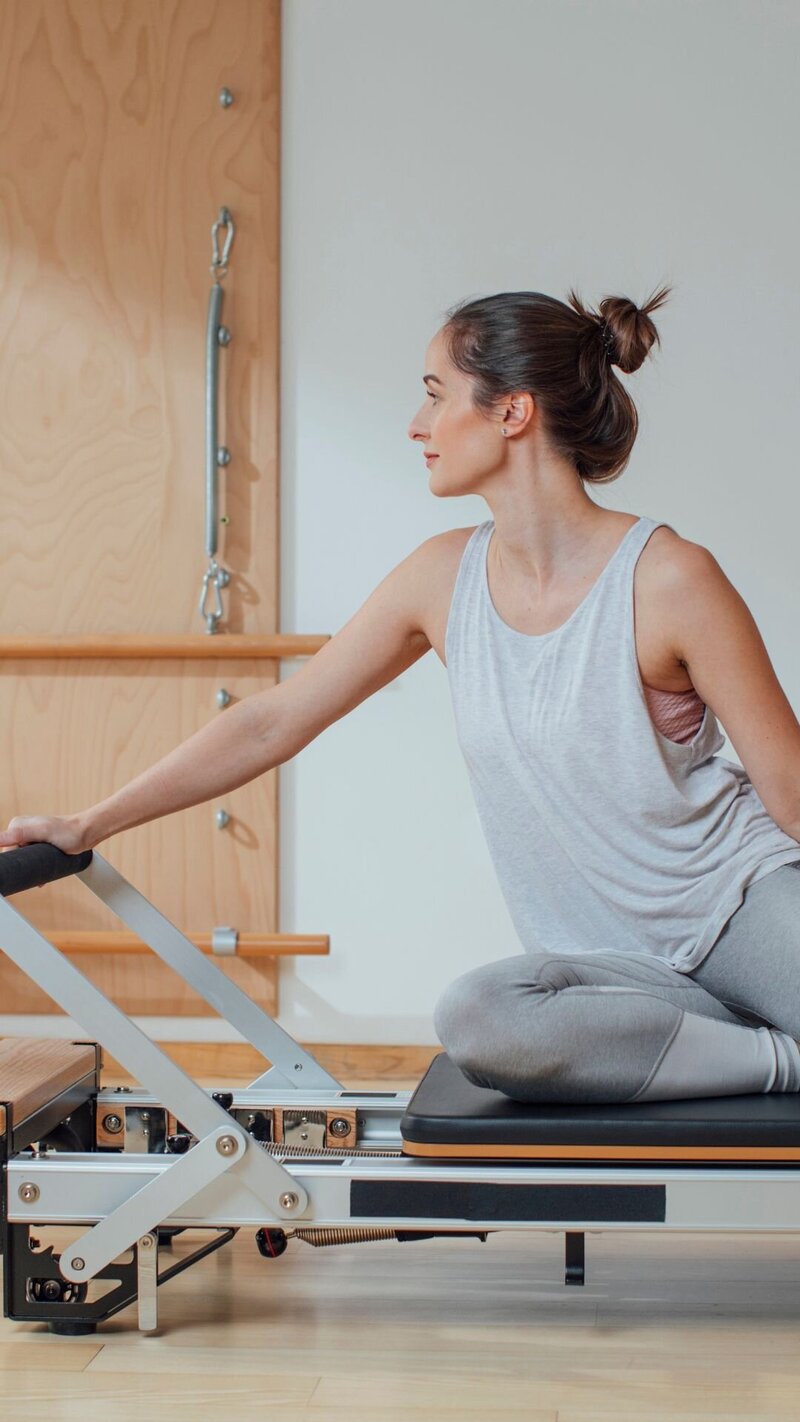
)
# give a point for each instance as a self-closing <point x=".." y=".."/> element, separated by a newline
<point x="266" y="729"/>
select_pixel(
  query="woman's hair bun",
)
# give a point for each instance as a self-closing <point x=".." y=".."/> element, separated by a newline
<point x="620" y="332"/>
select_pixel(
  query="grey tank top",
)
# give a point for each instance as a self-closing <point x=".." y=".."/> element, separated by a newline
<point x="605" y="835"/>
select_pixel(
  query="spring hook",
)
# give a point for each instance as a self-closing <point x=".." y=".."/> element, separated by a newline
<point x="220" y="578"/>
<point x="219" y="264"/>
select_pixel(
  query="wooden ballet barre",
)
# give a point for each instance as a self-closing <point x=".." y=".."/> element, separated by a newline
<point x="249" y="945"/>
<point x="194" y="646"/>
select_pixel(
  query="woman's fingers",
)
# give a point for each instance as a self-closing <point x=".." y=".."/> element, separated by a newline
<point x="59" y="830"/>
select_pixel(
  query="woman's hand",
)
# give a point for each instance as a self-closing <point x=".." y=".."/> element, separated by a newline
<point x="66" y="832"/>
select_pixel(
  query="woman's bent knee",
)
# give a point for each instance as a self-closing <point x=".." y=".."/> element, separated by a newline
<point x="477" y="1020"/>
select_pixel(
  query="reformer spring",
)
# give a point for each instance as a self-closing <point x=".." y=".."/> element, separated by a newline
<point x="332" y="1235"/>
<point x="278" y="1148"/>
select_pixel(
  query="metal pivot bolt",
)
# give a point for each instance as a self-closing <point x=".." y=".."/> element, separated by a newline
<point x="340" y="1127"/>
<point x="112" y="1124"/>
<point x="29" y="1192"/>
<point x="79" y="1265"/>
<point x="147" y="1241"/>
<point x="227" y="1145"/>
<point x="288" y="1201"/>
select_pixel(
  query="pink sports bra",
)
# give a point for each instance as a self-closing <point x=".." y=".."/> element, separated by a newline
<point x="677" y="715"/>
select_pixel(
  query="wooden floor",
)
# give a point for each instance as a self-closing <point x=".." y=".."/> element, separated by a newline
<point x="685" y="1326"/>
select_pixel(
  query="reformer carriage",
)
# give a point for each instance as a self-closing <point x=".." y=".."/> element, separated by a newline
<point x="297" y="1156"/>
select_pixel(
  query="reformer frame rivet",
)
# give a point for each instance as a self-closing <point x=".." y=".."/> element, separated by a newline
<point x="288" y="1201"/>
<point x="226" y="1145"/>
<point x="29" y="1193"/>
<point x="78" y="1265"/>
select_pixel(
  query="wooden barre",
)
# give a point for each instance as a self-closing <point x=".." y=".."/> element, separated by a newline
<point x="192" y="646"/>
<point x="249" y="945"/>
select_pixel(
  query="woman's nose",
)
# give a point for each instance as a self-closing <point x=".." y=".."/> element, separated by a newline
<point x="415" y="430"/>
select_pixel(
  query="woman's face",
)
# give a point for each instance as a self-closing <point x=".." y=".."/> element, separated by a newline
<point x="467" y="444"/>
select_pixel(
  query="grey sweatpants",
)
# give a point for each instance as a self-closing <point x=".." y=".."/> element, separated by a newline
<point x="616" y="1027"/>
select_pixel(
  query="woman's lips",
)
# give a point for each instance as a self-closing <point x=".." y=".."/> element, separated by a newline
<point x="429" y="457"/>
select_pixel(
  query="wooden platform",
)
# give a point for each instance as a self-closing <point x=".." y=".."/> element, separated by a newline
<point x="34" y="1070"/>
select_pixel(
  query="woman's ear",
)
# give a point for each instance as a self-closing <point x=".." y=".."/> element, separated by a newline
<point x="518" y="412"/>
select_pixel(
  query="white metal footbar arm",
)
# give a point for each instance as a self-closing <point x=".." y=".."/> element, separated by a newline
<point x="292" y="1065"/>
<point x="154" y="1202"/>
<point x="279" y="1195"/>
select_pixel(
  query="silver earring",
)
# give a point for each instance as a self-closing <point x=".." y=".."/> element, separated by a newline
<point x="505" y="431"/>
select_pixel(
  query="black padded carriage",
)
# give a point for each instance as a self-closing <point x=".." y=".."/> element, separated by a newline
<point x="447" y="1117"/>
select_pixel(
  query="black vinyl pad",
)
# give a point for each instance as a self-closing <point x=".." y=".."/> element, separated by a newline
<point x="447" y="1117"/>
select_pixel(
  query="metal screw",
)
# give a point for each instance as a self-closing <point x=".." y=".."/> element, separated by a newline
<point x="112" y="1124"/>
<point x="288" y="1201"/>
<point x="223" y="336"/>
<point x="222" y="818"/>
<point x="79" y="1265"/>
<point x="223" y="698"/>
<point x="225" y="98"/>
<point x="227" y="1145"/>
<point x="340" y="1127"/>
<point x="29" y="1193"/>
<point x="146" y="1242"/>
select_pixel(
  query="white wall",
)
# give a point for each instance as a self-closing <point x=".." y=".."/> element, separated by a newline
<point x="438" y="149"/>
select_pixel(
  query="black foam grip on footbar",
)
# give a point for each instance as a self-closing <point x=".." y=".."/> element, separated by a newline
<point x="31" y="865"/>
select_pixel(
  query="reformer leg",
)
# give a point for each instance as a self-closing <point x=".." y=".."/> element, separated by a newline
<point x="574" y="1247"/>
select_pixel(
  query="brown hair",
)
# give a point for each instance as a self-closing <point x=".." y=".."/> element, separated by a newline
<point x="562" y="355"/>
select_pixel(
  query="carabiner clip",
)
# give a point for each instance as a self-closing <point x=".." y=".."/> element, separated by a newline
<point x="219" y="264"/>
<point x="216" y="575"/>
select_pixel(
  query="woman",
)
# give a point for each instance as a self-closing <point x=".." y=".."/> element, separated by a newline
<point x="654" y="885"/>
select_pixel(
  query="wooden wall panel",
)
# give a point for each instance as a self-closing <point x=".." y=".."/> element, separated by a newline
<point x="115" y="159"/>
<point x="95" y="725"/>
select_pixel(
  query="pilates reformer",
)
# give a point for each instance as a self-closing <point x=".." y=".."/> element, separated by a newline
<point x="123" y="1170"/>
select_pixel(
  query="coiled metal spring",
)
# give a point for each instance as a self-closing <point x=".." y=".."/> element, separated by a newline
<point x="279" y="1148"/>
<point x="334" y="1235"/>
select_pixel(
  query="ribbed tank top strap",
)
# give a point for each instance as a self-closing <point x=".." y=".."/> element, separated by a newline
<point x="466" y="602"/>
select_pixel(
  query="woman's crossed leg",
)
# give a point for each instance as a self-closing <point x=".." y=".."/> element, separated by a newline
<point x="621" y="1027"/>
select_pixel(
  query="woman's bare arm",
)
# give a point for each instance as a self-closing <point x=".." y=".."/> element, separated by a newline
<point x="382" y="639"/>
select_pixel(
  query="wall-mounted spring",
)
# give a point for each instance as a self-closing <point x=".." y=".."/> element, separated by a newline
<point x="341" y="1235"/>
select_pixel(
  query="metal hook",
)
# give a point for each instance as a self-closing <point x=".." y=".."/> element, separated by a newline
<point x="220" y="579"/>
<point x="219" y="264"/>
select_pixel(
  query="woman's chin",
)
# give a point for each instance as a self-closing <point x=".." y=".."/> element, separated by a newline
<point x="445" y="489"/>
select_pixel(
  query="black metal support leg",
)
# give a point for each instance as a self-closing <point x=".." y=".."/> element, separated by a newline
<point x="574" y="1272"/>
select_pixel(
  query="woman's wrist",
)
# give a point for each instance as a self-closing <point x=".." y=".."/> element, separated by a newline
<point x="87" y="829"/>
